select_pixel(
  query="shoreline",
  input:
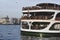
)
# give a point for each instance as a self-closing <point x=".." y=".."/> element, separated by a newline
<point x="9" y="24"/>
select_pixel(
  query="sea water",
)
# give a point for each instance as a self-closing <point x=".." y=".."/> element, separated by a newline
<point x="10" y="32"/>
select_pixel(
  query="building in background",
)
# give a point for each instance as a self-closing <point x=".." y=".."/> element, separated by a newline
<point x="7" y="20"/>
<point x="4" y="20"/>
<point x="14" y="21"/>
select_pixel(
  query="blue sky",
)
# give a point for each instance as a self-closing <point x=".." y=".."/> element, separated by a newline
<point x="13" y="8"/>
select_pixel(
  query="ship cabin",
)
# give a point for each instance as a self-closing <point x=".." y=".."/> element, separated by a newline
<point x="39" y="16"/>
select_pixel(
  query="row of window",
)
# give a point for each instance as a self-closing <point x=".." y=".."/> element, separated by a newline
<point x="41" y="15"/>
<point x="41" y="25"/>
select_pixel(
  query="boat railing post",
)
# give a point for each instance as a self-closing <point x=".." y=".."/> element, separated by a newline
<point x="41" y="36"/>
<point x="29" y="23"/>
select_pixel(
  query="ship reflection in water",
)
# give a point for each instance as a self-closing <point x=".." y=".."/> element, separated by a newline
<point x="39" y="38"/>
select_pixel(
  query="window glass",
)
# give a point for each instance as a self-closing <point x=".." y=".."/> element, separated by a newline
<point x="55" y="26"/>
<point x="39" y="25"/>
<point x="57" y="16"/>
<point x="25" y="25"/>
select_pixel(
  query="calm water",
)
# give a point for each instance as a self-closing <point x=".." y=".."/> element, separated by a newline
<point x="39" y="38"/>
<point x="12" y="32"/>
<point x="9" y="32"/>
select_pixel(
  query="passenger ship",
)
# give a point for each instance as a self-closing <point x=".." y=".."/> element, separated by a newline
<point x="42" y="18"/>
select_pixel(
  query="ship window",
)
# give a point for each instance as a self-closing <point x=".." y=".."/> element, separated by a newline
<point x="55" y="26"/>
<point x="25" y="25"/>
<point x="57" y="16"/>
<point x="42" y="15"/>
<point x="25" y="14"/>
<point x="39" y="25"/>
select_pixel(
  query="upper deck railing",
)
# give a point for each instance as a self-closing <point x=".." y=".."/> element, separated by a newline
<point x="37" y="17"/>
<point x="43" y="6"/>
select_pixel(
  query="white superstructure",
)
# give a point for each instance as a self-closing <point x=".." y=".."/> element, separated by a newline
<point x="44" y="17"/>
